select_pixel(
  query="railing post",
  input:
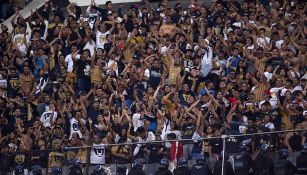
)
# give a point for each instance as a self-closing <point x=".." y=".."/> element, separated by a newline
<point x="224" y="148"/>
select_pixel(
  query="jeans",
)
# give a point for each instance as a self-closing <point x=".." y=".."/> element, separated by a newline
<point x="84" y="84"/>
<point x="187" y="150"/>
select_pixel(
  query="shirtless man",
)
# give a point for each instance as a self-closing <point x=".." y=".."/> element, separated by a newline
<point x="168" y="29"/>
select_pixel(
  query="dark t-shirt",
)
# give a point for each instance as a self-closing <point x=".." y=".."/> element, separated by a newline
<point x="217" y="146"/>
<point x="275" y="61"/>
<point x="83" y="67"/>
<point x="187" y="131"/>
<point x="40" y="27"/>
<point x="155" y="77"/>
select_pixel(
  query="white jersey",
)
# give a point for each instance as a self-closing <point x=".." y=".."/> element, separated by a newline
<point x="46" y="116"/>
<point x="207" y="57"/>
<point x="74" y="127"/>
<point x="19" y="40"/>
<point x="91" y="16"/>
<point x="70" y="62"/>
<point x="112" y="65"/>
<point x="137" y="121"/>
<point x="101" y="39"/>
<point x="98" y="154"/>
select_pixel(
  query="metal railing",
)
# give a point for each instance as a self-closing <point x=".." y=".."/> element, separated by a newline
<point x="87" y="166"/>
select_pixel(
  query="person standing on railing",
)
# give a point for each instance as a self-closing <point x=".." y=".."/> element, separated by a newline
<point x="20" y="162"/>
<point x="98" y="151"/>
<point x="294" y="139"/>
<point x="56" y="159"/>
<point x="188" y="128"/>
<point x="141" y="150"/>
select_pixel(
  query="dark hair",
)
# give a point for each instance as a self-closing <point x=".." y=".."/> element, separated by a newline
<point x="140" y="130"/>
<point x="108" y="2"/>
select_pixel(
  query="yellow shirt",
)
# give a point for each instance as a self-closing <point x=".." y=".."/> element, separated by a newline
<point x="56" y="159"/>
<point x="139" y="40"/>
<point x="174" y="72"/>
<point x="259" y="90"/>
<point x="96" y="75"/>
<point x="167" y="29"/>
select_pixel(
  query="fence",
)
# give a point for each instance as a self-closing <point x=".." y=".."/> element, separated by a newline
<point x="85" y="166"/>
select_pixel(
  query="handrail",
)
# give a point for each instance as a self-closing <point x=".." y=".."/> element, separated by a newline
<point x="184" y="140"/>
<point x="163" y="141"/>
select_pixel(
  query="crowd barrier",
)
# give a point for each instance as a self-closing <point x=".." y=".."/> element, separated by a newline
<point x="110" y="168"/>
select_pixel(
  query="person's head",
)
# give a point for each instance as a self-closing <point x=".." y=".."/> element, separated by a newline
<point x="298" y="125"/>
<point x="12" y="135"/>
<point x="209" y="130"/>
<point x="74" y="48"/>
<point x="4" y="28"/>
<point x="56" y="144"/>
<point x="299" y="96"/>
<point x="47" y="98"/>
<point x="164" y="163"/>
<point x="26" y="70"/>
<point x="17" y="112"/>
<point x="102" y="28"/>
<point x="232" y="74"/>
<point x="283" y="154"/>
<point x="223" y="85"/>
<point x="155" y="63"/>
<point x="289" y="83"/>
<point x="244" y="86"/>
<point x="264" y="148"/>
<point x="141" y="132"/>
<point x="100" y="52"/>
<point x="261" y="31"/>
<point x="109" y="5"/>
<point x="86" y="54"/>
<point x="269" y="68"/>
<point x="137" y="163"/>
<point x="22" y="29"/>
<point x="259" y="52"/>
<point x="219" y="95"/>
<point x="266" y="118"/>
<point x="182" y="162"/>
<point x="189" y="120"/>
<point x="236" y="93"/>
<point x="288" y="95"/>
<point x="167" y="89"/>
<point x="57" y="18"/>
<point x="97" y="139"/>
<point x="41" y="142"/>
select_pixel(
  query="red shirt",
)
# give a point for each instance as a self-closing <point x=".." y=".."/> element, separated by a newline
<point x="179" y="151"/>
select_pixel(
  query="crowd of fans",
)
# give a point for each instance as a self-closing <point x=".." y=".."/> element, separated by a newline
<point x="73" y="79"/>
